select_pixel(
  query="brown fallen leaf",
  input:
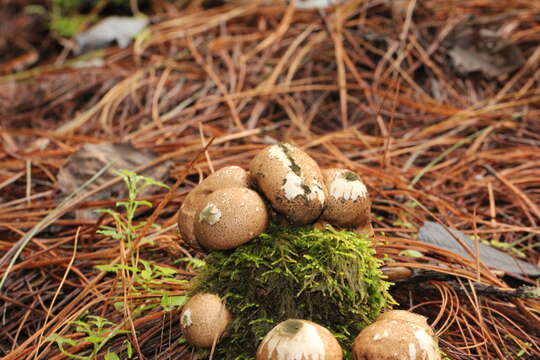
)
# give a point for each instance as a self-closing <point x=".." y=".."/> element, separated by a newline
<point x="88" y="159"/>
<point x="485" y="51"/>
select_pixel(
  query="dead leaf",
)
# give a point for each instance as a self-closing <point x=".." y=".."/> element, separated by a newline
<point x="119" y="29"/>
<point x="316" y="4"/>
<point x="87" y="160"/>
<point x="485" y="51"/>
<point x="443" y="237"/>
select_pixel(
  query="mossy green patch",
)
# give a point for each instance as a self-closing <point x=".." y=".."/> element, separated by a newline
<point x="350" y="176"/>
<point x="295" y="168"/>
<point x="327" y="276"/>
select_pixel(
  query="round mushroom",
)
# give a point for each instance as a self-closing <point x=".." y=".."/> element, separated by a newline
<point x="204" y="319"/>
<point x="229" y="176"/>
<point x="299" y="340"/>
<point x="403" y="315"/>
<point x="291" y="180"/>
<point x="347" y="204"/>
<point x="230" y="217"/>
<point x="395" y="340"/>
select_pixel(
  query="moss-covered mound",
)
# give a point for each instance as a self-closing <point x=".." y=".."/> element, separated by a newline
<point x="327" y="276"/>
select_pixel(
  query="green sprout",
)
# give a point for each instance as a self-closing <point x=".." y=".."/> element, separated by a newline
<point x="148" y="278"/>
<point x="98" y="332"/>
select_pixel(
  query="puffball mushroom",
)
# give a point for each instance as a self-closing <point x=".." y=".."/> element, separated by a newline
<point x="291" y="180"/>
<point x="395" y="340"/>
<point x="347" y="204"/>
<point x="229" y="176"/>
<point x="204" y="319"/>
<point x="230" y="217"/>
<point x="403" y="315"/>
<point x="296" y="339"/>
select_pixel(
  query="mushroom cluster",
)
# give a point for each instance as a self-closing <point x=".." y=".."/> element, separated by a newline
<point x="228" y="208"/>
<point x="233" y="206"/>
<point x="397" y="335"/>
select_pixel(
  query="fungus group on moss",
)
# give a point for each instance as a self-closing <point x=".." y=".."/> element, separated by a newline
<point x="327" y="276"/>
<point x="271" y="264"/>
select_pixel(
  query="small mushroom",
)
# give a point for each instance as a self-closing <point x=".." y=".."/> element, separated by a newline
<point x="229" y="176"/>
<point x="347" y="203"/>
<point x="230" y="217"/>
<point x="204" y="319"/>
<point x="403" y="315"/>
<point x="291" y="180"/>
<point x="299" y="340"/>
<point x="395" y="340"/>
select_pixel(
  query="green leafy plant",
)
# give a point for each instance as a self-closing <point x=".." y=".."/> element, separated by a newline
<point x="328" y="276"/>
<point x="126" y="228"/>
<point x="97" y="330"/>
<point x="148" y="278"/>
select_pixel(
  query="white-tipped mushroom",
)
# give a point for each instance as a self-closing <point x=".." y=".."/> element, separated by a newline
<point x="291" y="180"/>
<point x="204" y="320"/>
<point x="296" y="339"/>
<point x="347" y="204"/>
<point x="229" y="176"/>
<point x="395" y="340"/>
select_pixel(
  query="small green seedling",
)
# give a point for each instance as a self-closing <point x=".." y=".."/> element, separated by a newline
<point x="98" y="332"/>
<point x="149" y="278"/>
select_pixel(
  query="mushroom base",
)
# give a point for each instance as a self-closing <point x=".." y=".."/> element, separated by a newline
<point x="324" y="275"/>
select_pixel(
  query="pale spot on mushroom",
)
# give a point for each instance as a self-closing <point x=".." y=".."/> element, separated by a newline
<point x="186" y="321"/>
<point x="347" y="189"/>
<point x="275" y="152"/>
<point x="412" y="351"/>
<point x="304" y="344"/>
<point x="426" y="343"/>
<point x="317" y="192"/>
<point x="379" y="336"/>
<point x="210" y="214"/>
<point x="292" y="186"/>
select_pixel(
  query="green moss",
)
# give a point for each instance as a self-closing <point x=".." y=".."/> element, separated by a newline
<point x="67" y="26"/>
<point x="327" y="276"/>
<point x="294" y="166"/>
<point x="350" y="176"/>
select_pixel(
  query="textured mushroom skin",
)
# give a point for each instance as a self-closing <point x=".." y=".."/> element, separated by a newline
<point x="203" y="319"/>
<point x="291" y="180"/>
<point x="296" y="339"/>
<point x="403" y="315"/>
<point x="347" y="204"/>
<point x="395" y="340"/>
<point x="230" y="217"/>
<point x="229" y="176"/>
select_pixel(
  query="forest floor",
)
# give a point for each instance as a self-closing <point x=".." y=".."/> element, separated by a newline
<point x="436" y="104"/>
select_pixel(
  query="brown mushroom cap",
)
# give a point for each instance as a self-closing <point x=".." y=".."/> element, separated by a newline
<point x="403" y="315"/>
<point x="204" y="319"/>
<point x="395" y="340"/>
<point x="230" y="217"/>
<point x="299" y="340"/>
<point x="347" y="204"/>
<point x="229" y="176"/>
<point x="291" y="180"/>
